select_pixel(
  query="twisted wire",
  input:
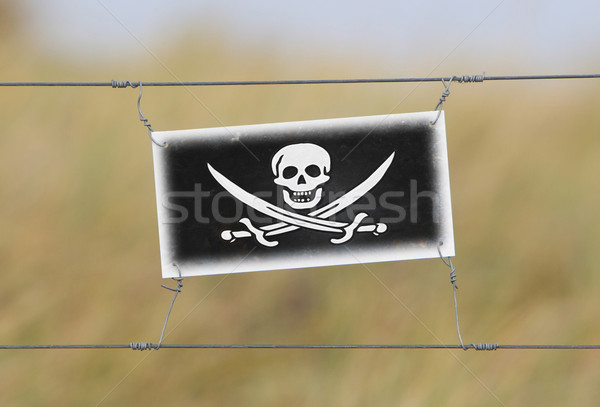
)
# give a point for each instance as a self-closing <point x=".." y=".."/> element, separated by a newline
<point x="124" y="84"/>
<point x="141" y="346"/>
<point x="484" y="346"/>
<point x="470" y="79"/>
<point x="445" y="94"/>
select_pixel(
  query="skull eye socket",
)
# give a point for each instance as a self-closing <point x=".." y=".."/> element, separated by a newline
<point x="289" y="172"/>
<point x="313" y="170"/>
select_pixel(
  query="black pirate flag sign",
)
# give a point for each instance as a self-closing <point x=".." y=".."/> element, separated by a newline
<point x="303" y="194"/>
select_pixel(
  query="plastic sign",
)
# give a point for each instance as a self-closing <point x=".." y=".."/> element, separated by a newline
<point x="303" y="194"/>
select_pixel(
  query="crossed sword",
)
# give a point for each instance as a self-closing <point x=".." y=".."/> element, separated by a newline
<point x="315" y="220"/>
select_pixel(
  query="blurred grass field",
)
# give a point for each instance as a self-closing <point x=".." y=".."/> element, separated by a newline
<point x="79" y="247"/>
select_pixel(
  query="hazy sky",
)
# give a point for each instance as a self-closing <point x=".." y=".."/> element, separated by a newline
<point x="550" y="36"/>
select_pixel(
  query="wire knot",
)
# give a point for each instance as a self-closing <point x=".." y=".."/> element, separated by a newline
<point x="445" y="94"/>
<point x="124" y="84"/>
<point x="484" y="346"/>
<point x="470" y="79"/>
<point x="453" y="276"/>
<point x="179" y="284"/>
<point x="448" y="263"/>
<point x="142" y="346"/>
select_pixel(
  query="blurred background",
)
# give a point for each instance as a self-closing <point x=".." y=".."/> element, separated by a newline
<point x="79" y="241"/>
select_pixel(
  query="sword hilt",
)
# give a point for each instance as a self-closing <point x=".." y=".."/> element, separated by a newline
<point x="232" y="235"/>
<point x="376" y="229"/>
<point x="259" y="234"/>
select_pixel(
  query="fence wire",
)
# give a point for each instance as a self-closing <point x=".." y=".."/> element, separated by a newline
<point x="456" y="78"/>
<point x="151" y="346"/>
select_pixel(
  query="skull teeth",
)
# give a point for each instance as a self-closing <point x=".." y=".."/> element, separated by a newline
<point x="302" y="199"/>
<point x="302" y="196"/>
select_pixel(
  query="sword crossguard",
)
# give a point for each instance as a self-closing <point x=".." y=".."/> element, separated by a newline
<point x="258" y="233"/>
<point x="349" y="230"/>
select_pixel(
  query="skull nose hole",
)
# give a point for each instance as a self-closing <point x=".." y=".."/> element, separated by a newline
<point x="301" y="180"/>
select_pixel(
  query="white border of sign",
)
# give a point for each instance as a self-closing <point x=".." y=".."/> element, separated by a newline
<point x="356" y="255"/>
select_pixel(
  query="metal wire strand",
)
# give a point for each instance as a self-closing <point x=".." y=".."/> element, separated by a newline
<point x="454" y="288"/>
<point x="150" y="346"/>
<point x="143" y="119"/>
<point x="476" y="346"/>
<point x="177" y="290"/>
<point x="460" y="79"/>
<point x="445" y="94"/>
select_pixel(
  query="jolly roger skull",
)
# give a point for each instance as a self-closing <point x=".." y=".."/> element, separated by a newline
<point x="301" y="169"/>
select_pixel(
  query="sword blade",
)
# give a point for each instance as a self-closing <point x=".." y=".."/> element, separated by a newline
<point x="291" y="218"/>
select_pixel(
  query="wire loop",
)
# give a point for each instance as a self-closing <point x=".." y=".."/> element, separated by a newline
<point x="143" y="119"/>
<point x="177" y="290"/>
<point x="445" y="94"/>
